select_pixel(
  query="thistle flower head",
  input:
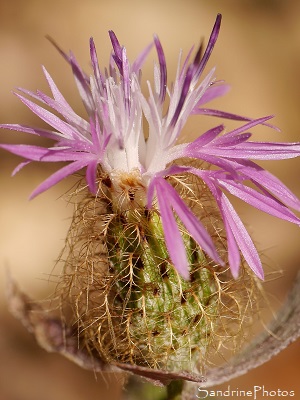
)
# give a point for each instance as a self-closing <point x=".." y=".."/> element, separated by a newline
<point x="137" y="166"/>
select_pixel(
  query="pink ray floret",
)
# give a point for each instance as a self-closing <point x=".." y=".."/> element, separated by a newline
<point x="112" y="137"/>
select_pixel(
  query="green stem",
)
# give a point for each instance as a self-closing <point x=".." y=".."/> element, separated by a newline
<point x="174" y="390"/>
<point x="137" y="390"/>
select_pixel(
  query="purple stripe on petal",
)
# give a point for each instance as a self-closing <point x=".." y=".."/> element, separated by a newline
<point x="117" y="56"/>
<point x="115" y="44"/>
<point x="82" y="86"/>
<point x="162" y="68"/>
<point x="183" y="95"/>
<point x="118" y="63"/>
<point x="211" y="43"/>
<point x="198" y="56"/>
<point x="97" y="73"/>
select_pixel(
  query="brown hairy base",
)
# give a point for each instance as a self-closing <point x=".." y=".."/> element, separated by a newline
<point x="124" y="313"/>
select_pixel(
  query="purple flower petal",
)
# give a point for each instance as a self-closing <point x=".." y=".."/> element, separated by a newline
<point x="184" y="67"/>
<point x="34" y="131"/>
<point x="220" y="114"/>
<point x="234" y="257"/>
<point x="242" y="237"/>
<point x="184" y="92"/>
<point x="126" y="80"/>
<point x="138" y="63"/>
<point x="232" y="141"/>
<point x="116" y="45"/>
<point x="162" y="68"/>
<point x="97" y="73"/>
<point x="19" y="167"/>
<point x="55" y="92"/>
<point x="192" y="224"/>
<point x="36" y="153"/>
<point x="212" y="93"/>
<point x="91" y="175"/>
<point x="211" y="44"/>
<point x="51" y="119"/>
<point x="258" y="200"/>
<point x="265" y="179"/>
<point x="252" y="123"/>
<point x="226" y="115"/>
<point x="258" y="151"/>
<point x="204" y="139"/>
<point x="58" y="176"/>
<point x="236" y="232"/>
<point x="82" y="86"/>
<point x="173" y="237"/>
<point x="68" y="114"/>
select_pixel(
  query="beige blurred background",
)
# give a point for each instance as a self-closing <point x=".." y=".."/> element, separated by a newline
<point x="258" y="53"/>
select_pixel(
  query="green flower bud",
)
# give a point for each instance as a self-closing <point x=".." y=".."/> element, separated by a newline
<point x="129" y="302"/>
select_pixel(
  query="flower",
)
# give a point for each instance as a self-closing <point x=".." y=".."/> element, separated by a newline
<point x="112" y="138"/>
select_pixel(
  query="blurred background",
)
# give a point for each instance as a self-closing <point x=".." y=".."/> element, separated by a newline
<point x="257" y="54"/>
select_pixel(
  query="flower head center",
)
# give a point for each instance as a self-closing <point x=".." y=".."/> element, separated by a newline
<point x="128" y="190"/>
